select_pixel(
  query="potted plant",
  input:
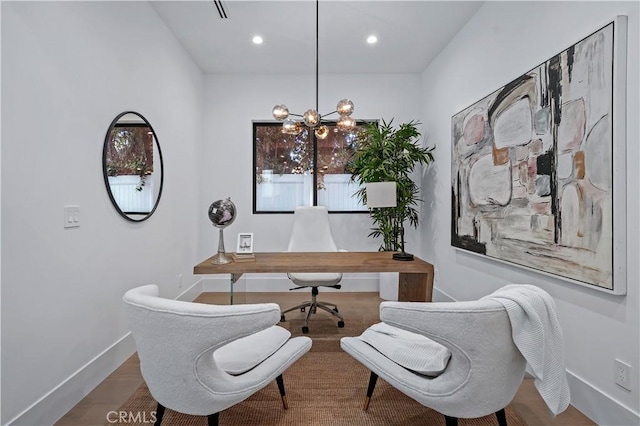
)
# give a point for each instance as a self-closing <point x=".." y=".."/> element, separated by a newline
<point x="386" y="153"/>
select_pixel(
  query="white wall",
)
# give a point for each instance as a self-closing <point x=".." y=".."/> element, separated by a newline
<point x="68" y="68"/>
<point x="233" y="101"/>
<point x="501" y="42"/>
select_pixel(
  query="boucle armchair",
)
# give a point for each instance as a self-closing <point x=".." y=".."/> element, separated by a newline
<point x="200" y="359"/>
<point x="485" y="368"/>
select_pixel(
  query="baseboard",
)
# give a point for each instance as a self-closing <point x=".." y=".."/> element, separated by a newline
<point x="280" y="283"/>
<point x="440" y="296"/>
<point x="598" y="406"/>
<point x="57" y="402"/>
<point x="191" y="293"/>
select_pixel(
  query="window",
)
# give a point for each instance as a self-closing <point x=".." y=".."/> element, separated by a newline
<point x="294" y="170"/>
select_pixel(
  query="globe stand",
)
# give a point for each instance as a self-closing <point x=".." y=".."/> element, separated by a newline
<point x="222" y="213"/>
<point x="221" y="258"/>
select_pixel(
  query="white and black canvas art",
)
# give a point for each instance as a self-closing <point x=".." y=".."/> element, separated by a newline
<point x="533" y="167"/>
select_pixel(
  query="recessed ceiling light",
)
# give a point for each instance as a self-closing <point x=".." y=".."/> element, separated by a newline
<point x="372" y="39"/>
<point x="257" y="40"/>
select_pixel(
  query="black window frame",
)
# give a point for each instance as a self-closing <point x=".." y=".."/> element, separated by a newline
<point x="314" y="140"/>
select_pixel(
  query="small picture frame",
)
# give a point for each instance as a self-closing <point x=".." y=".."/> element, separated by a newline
<point x="245" y="243"/>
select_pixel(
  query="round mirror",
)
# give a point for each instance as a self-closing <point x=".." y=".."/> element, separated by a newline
<point x="132" y="166"/>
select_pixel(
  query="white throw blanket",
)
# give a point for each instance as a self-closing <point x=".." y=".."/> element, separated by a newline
<point x="537" y="334"/>
<point x="412" y="351"/>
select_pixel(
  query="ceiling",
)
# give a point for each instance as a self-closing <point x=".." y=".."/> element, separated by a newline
<point x="410" y="34"/>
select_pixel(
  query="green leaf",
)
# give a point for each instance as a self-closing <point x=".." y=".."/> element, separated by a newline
<point x="388" y="153"/>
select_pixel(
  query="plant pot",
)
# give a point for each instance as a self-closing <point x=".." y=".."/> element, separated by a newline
<point x="388" y="285"/>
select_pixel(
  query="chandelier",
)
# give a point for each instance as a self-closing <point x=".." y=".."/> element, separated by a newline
<point x="311" y="118"/>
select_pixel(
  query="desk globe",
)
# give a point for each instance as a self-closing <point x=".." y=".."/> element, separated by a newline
<point x="222" y="213"/>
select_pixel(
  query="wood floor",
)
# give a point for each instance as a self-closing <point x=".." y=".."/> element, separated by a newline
<point x="117" y="388"/>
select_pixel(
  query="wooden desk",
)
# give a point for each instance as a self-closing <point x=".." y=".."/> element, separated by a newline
<point x="415" y="278"/>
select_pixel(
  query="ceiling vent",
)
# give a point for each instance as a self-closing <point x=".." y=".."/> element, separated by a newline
<point x="220" y="6"/>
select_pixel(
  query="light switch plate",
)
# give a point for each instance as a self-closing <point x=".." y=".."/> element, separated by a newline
<point x="71" y="216"/>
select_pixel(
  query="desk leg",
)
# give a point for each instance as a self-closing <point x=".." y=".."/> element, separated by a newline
<point x="232" y="281"/>
<point x="415" y="287"/>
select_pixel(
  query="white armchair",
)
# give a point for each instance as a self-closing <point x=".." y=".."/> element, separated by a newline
<point x="200" y="359"/>
<point x="483" y="373"/>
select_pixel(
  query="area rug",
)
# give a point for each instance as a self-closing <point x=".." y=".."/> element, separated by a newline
<point x="326" y="387"/>
<point x="323" y="388"/>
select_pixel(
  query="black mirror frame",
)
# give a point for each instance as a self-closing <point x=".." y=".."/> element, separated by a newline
<point x="104" y="167"/>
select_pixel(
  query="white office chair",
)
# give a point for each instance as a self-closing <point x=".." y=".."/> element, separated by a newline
<point x="312" y="233"/>
<point x="200" y="359"/>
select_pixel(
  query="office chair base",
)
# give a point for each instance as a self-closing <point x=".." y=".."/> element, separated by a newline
<point x="313" y="305"/>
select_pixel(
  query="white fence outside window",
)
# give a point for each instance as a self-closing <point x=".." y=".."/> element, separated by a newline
<point x="286" y="192"/>
<point x="130" y="200"/>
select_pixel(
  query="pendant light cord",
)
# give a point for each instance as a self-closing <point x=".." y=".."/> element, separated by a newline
<point x="315" y="138"/>
<point x="317" y="48"/>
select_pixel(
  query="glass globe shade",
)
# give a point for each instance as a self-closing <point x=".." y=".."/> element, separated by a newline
<point x="280" y="112"/>
<point x="289" y="127"/>
<point x="311" y="117"/>
<point x="346" y="123"/>
<point x="322" y="132"/>
<point x="345" y="107"/>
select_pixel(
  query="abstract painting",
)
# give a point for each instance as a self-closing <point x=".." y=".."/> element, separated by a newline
<point x="533" y="167"/>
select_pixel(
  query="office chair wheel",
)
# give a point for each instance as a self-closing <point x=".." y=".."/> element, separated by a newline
<point x="282" y="318"/>
<point x="305" y="330"/>
<point x="340" y="324"/>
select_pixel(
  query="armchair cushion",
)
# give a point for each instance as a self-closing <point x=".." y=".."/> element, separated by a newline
<point x="410" y="350"/>
<point x="243" y="354"/>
